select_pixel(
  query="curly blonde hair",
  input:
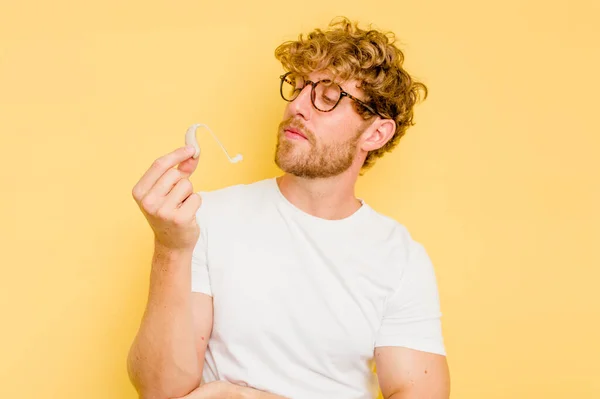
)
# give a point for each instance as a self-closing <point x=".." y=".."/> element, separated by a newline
<point x="369" y="56"/>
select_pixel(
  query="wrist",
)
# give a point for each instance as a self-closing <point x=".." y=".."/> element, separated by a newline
<point x="171" y="253"/>
<point x="172" y="263"/>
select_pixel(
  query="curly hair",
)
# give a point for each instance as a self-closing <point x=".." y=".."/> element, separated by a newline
<point x="368" y="56"/>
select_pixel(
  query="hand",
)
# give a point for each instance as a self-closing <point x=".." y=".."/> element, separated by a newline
<point x="214" y="390"/>
<point x="168" y="201"/>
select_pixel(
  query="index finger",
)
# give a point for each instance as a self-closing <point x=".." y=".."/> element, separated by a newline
<point x="161" y="165"/>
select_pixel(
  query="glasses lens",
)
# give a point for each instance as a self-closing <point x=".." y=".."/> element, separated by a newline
<point x="327" y="95"/>
<point x="291" y="86"/>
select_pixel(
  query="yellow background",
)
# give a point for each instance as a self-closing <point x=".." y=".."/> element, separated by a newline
<point x="499" y="179"/>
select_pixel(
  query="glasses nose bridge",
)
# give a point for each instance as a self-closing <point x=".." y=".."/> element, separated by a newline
<point x="311" y="94"/>
<point x="307" y="83"/>
<point x="299" y="101"/>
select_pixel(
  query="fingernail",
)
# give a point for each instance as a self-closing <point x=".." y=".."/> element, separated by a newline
<point x="190" y="149"/>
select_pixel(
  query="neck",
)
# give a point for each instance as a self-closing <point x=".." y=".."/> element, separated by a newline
<point x="329" y="198"/>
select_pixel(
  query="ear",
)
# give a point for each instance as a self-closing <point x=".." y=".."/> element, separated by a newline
<point x="378" y="134"/>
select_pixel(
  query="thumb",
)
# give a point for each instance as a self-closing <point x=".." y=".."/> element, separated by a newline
<point x="189" y="165"/>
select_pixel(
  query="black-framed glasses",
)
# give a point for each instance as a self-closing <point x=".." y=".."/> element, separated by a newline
<point x="325" y="94"/>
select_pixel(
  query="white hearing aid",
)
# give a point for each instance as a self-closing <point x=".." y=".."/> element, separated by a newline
<point x="191" y="139"/>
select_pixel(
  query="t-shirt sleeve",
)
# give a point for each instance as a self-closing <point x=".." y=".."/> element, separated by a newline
<point x="412" y="316"/>
<point x="200" y="274"/>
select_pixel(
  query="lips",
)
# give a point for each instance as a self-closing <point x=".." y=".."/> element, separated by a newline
<point x="295" y="132"/>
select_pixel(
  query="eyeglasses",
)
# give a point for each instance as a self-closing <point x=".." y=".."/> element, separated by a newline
<point x="325" y="94"/>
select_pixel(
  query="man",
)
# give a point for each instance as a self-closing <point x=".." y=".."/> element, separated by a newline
<point x="298" y="288"/>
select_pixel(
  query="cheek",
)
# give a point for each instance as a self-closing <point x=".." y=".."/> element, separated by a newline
<point x="341" y="130"/>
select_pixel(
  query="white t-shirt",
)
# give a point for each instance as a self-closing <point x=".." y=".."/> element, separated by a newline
<point x="301" y="302"/>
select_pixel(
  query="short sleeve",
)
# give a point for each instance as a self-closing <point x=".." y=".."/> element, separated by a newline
<point x="412" y="316"/>
<point x="200" y="275"/>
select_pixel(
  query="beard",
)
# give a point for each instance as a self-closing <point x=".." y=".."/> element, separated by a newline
<point x="311" y="159"/>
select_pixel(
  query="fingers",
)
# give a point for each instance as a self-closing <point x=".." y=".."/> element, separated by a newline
<point x="165" y="184"/>
<point x="180" y="191"/>
<point x="188" y="166"/>
<point x="159" y="167"/>
<point x="191" y="205"/>
<point x="154" y="199"/>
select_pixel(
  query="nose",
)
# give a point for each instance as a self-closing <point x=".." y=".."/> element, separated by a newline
<point x="302" y="105"/>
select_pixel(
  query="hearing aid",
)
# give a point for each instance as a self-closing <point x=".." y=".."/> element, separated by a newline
<point x="191" y="139"/>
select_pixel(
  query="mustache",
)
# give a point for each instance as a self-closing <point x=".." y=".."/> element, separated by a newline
<point x="296" y="124"/>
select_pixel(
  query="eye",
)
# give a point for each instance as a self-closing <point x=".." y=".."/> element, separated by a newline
<point x="329" y="92"/>
<point x="295" y="80"/>
<point x="328" y="100"/>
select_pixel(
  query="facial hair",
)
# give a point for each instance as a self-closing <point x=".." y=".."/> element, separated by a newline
<point x="313" y="159"/>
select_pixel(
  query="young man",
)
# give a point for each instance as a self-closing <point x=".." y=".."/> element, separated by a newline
<point x="299" y="289"/>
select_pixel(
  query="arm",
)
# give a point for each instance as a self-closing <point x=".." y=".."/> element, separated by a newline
<point x="167" y="355"/>
<point x="410" y="356"/>
<point x="227" y="390"/>
<point x="411" y="374"/>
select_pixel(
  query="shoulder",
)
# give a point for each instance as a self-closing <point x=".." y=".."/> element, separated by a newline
<point x="391" y="231"/>
<point x="405" y="257"/>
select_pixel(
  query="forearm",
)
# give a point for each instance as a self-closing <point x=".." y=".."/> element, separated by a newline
<point x="227" y="390"/>
<point x="416" y="393"/>
<point x="250" y="393"/>
<point x="400" y="395"/>
<point x="162" y="362"/>
<point x="433" y="392"/>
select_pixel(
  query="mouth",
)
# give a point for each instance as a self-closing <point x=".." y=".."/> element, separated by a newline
<point x="294" y="133"/>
